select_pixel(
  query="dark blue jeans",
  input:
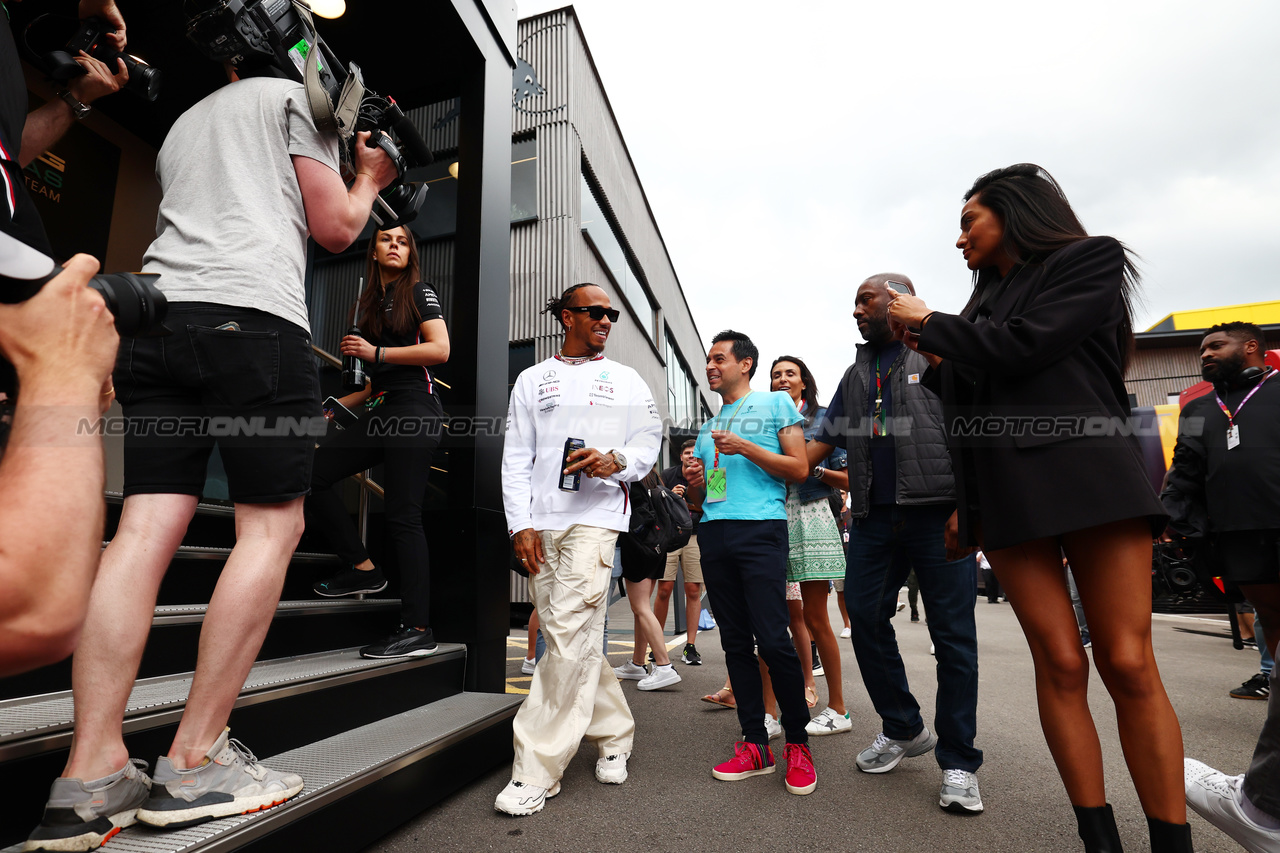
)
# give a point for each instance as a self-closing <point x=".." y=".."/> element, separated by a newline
<point x="744" y="564"/>
<point x="883" y="548"/>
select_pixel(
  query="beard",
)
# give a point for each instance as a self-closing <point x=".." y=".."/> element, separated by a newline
<point x="877" y="330"/>
<point x="1226" y="370"/>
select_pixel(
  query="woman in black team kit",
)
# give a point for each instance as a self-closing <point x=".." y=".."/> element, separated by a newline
<point x="1031" y="375"/>
<point x="404" y="335"/>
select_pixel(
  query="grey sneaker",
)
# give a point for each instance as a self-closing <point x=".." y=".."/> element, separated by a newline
<point x="885" y="753"/>
<point x="631" y="672"/>
<point x="81" y="818"/>
<point x="229" y="781"/>
<point x="960" y="792"/>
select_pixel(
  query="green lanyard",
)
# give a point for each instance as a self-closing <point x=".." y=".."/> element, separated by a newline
<point x="877" y="417"/>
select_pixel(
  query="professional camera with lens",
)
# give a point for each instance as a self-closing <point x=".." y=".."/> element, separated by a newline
<point x="279" y="38"/>
<point x="135" y="302"/>
<point x="143" y="79"/>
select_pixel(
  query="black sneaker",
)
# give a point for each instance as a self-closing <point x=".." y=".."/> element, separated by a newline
<point x="351" y="582"/>
<point x="405" y="643"/>
<point x="691" y="655"/>
<point x="652" y="659"/>
<point x="1258" y="687"/>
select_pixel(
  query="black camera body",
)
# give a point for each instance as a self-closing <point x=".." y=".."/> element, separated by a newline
<point x="144" y="80"/>
<point x="279" y="37"/>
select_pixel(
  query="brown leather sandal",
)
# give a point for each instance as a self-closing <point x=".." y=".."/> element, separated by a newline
<point x="718" y="698"/>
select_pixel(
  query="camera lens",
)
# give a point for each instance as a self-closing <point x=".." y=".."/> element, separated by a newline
<point x="136" y="303"/>
<point x="143" y="79"/>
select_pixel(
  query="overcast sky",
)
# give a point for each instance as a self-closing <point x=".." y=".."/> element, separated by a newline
<point x="791" y="150"/>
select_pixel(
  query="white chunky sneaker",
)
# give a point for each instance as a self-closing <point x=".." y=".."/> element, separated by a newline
<point x="528" y="666"/>
<point x="519" y="798"/>
<point x="662" y="676"/>
<point x="630" y="671"/>
<point x="612" y="769"/>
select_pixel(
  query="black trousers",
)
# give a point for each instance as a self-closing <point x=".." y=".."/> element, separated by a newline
<point x="744" y="564"/>
<point x="402" y="433"/>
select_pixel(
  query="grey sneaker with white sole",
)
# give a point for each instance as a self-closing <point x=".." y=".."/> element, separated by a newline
<point x="230" y="781"/>
<point x="82" y="816"/>
<point x="885" y="753"/>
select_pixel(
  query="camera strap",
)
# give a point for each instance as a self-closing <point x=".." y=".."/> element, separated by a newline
<point x="338" y="118"/>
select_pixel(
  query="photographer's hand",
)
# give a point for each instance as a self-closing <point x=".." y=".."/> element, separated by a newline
<point x="98" y="79"/>
<point x="374" y="162"/>
<point x="107" y="10"/>
<point x="63" y="340"/>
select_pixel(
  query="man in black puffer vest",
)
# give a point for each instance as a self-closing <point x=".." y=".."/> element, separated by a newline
<point x="902" y="496"/>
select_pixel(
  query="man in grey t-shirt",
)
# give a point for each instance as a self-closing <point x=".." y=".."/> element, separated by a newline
<point x="246" y="176"/>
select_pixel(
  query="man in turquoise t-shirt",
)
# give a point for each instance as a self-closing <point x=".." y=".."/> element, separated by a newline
<point x="746" y="455"/>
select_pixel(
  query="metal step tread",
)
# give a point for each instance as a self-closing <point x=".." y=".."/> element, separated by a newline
<point x="202" y="508"/>
<point x="49" y="713"/>
<point x="184" y="614"/>
<point x="333" y="768"/>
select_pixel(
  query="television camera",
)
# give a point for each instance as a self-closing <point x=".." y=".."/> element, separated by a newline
<point x="279" y="38"/>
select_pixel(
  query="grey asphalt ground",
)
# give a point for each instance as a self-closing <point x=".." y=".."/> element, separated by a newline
<point x="671" y="802"/>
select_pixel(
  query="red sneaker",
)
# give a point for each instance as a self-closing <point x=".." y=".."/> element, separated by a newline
<point x="749" y="759"/>
<point x="801" y="777"/>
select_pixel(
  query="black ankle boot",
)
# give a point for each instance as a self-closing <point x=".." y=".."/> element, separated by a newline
<point x="1098" y="829"/>
<point x="1169" y="837"/>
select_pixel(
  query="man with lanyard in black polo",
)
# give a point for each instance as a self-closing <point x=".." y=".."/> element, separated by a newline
<point x="1225" y="484"/>
<point x="744" y="458"/>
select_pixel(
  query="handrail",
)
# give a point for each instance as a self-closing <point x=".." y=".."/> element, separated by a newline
<point x="334" y="361"/>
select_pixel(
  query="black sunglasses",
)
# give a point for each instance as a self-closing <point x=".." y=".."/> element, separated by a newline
<point x="598" y="312"/>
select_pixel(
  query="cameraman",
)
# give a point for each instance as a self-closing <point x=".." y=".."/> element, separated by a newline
<point x="62" y="343"/>
<point x="25" y="135"/>
<point x="245" y="176"/>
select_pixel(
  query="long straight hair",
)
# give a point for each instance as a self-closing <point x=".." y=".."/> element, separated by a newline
<point x="1038" y="220"/>
<point x="809" y="396"/>
<point x="404" y="313"/>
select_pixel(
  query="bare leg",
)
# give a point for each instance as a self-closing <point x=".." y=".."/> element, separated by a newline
<point x="533" y="635"/>
<point x="800" y="636"/>
<point x="236" y="622"/>
<point x="692" y="609"/>
<point x="1032" y="574"/>
<point x="819" y="625"/>
<point x="647" y="628"/>
<point x="121" y="607"/>
<point x="1246" y="625"/>
<point x="1112" y="567"/>
<point x="844" y="611"/>
<point x="662" y="601"/>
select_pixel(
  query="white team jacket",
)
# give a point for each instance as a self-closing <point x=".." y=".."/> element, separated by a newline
<point x="602" y="402"/>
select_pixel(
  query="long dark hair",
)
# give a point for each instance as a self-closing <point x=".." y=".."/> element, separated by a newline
<point x="809" y="396"/>
<point x="404" y="314"/>
<point x="1038" y="220"/>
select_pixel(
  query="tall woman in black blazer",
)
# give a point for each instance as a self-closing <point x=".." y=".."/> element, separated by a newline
<point x="1032" y="377"/>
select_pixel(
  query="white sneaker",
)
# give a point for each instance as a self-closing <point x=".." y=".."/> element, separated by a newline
<point x="885" y="753"/>
<point x="1216" y="798"/>
<point x="846" y="633"/>
<point x="772" y="727"/>
<point x="901" y="604"/>
<point x="630" y="671"/>
<point x="612" y="769"/>
<point x="521" y="799"/>
<point x="960" y="792"/>
<point x="528" y="666"/>
<point x="830" y="723"/>
<point x="662" y="676"/>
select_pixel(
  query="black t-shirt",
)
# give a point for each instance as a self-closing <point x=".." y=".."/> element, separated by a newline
<point x="693" y="497"/>
<point x="18" y="216"/>
<point x="405" y="377"/>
